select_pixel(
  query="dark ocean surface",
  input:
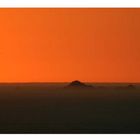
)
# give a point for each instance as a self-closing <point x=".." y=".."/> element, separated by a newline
<point x="54" y="108"/>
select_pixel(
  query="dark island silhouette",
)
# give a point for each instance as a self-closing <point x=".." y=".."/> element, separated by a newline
<point x="131" y="86"/>
<point x="78" y="84"/>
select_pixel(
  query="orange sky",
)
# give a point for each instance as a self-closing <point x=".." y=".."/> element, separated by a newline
<point x="51" y="45"/>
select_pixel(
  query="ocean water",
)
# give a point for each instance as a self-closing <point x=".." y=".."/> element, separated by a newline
<point x="52" y="108"/>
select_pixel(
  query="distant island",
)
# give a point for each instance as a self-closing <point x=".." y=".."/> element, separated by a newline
<point x="78" y="84"/>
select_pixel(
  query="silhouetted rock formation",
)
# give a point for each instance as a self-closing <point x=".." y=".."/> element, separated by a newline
<point x="78" y="84"/>
<point x="127" y="87"/>
<point x="131" y="86"/>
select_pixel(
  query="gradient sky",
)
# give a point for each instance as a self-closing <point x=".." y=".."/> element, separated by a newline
<point x="51" y="45"/>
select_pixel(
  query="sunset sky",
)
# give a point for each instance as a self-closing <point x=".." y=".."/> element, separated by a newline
<point x="61" y="45"/>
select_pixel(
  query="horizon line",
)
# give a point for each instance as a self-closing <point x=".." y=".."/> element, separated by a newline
<point x="69" y="82"/>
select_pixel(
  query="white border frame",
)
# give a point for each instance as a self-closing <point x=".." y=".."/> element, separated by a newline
<point x="70" y="3"/>
<point x="70" y="137"/>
